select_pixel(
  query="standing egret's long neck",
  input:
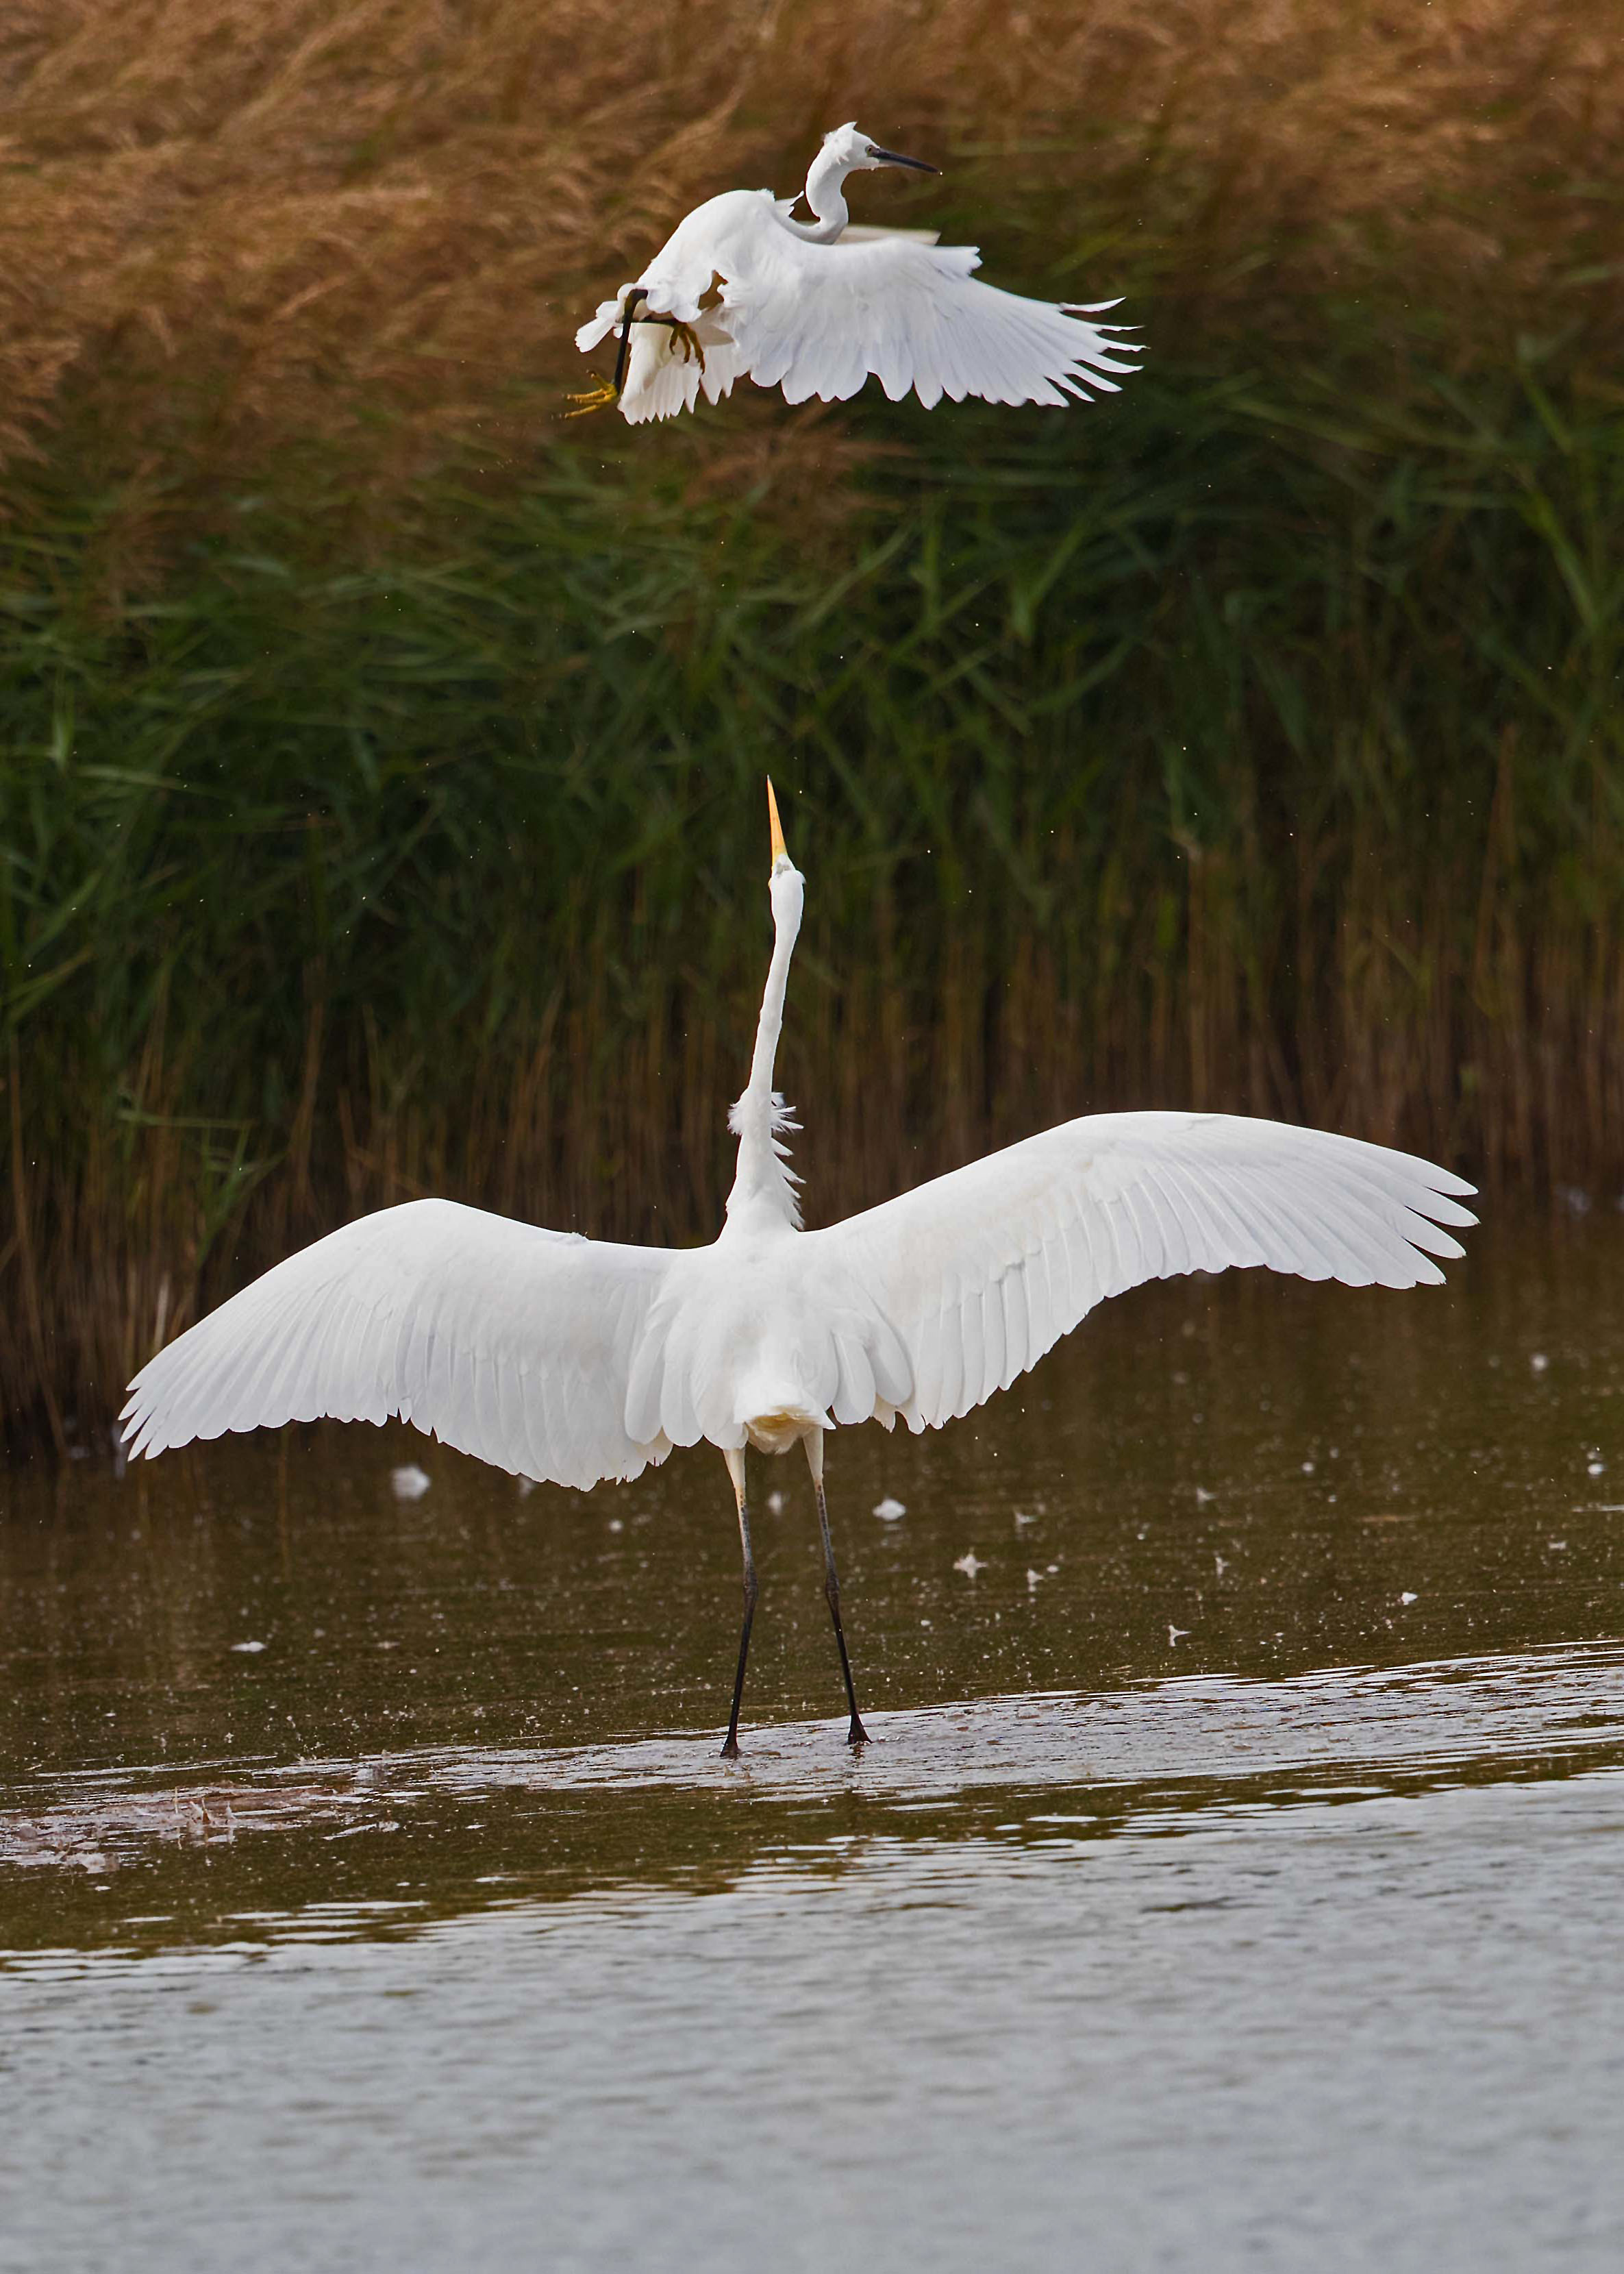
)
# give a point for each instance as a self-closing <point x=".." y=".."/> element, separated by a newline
<point x="764" y="1184"/>
<point x="824" y="177"/>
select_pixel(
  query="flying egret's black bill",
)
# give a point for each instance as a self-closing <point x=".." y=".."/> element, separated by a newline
<point x="895" y="158"/>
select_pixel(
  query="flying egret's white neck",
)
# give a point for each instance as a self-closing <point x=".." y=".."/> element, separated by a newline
<point x="764" y="1193"/>
<point x="825" y="176"/>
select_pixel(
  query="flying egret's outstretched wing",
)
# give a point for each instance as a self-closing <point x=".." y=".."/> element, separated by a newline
<point x="977" y="1273"/>
<point x="505" y="1341"/>
<point x="819" y="318"/>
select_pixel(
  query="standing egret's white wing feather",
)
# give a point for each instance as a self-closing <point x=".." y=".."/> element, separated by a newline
<point x="510" y="1342"/>
<point x="977" y="1273"/>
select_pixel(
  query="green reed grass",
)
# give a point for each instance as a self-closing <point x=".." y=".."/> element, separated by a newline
<point x="1250" y="742"/>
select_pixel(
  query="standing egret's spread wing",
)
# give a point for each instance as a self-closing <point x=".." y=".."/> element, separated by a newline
<point x="977" y="1273"/>
<point x="510" y="1342"/>
<point x="819" y="318"/>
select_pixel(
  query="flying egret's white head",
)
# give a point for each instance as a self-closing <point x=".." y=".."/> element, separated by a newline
<point x="846" y="150"/>
<point x="848" y="147"/>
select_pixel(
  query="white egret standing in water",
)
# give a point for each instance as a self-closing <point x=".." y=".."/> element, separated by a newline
<point x="572" y="1361"/>
<point x="743" y="289"/>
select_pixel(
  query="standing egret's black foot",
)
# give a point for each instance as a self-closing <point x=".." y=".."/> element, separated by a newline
<point x="735" y="1469"/>
<point x="856" y="1735"/>
<point x="730" y="1748"/>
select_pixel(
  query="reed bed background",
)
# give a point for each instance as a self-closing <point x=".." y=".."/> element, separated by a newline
<point x="381" y="807"/>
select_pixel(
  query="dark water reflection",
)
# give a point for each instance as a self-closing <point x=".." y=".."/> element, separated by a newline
<point x="1275" y="1603"/>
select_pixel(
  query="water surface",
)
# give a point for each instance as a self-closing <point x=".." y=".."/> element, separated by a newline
<point x="1233" y="1881"/>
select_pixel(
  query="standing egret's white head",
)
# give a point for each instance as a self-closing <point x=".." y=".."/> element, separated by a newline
<point x="850" y="148"/>
<point x="785" y="883"/>
<point x="781" y="861"/>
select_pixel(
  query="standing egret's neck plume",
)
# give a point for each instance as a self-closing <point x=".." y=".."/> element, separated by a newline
<point x="764" y="1183"/>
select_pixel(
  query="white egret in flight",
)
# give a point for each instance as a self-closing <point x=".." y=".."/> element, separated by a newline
<point x="743" y="289"/>
<point x="572" y="1361"/>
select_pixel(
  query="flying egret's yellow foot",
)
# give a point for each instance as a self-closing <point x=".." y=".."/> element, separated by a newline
<point x="604" y="396"/>
<point x="689" y="339"/>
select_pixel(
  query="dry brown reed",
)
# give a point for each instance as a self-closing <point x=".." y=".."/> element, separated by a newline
<point x="226" y="226"/>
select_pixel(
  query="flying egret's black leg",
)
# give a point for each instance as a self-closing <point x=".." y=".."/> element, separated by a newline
<point x="637" y="294"/>
<point x="735" y="1469"/>
<point x="856" y="1735"/>
<point x="606" y="394"/>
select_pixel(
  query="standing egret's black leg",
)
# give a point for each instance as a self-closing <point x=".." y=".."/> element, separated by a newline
<point x="735" y="1469"/>
<point x="856" y="1735"/>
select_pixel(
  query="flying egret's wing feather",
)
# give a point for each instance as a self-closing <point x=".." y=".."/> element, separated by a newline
<point x="978" y="1273"/>
<point x="510" y="1342"/>
<point x="598" y="326"/>
<point x="818" y="318"/>
<point x="865" y="232"/>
